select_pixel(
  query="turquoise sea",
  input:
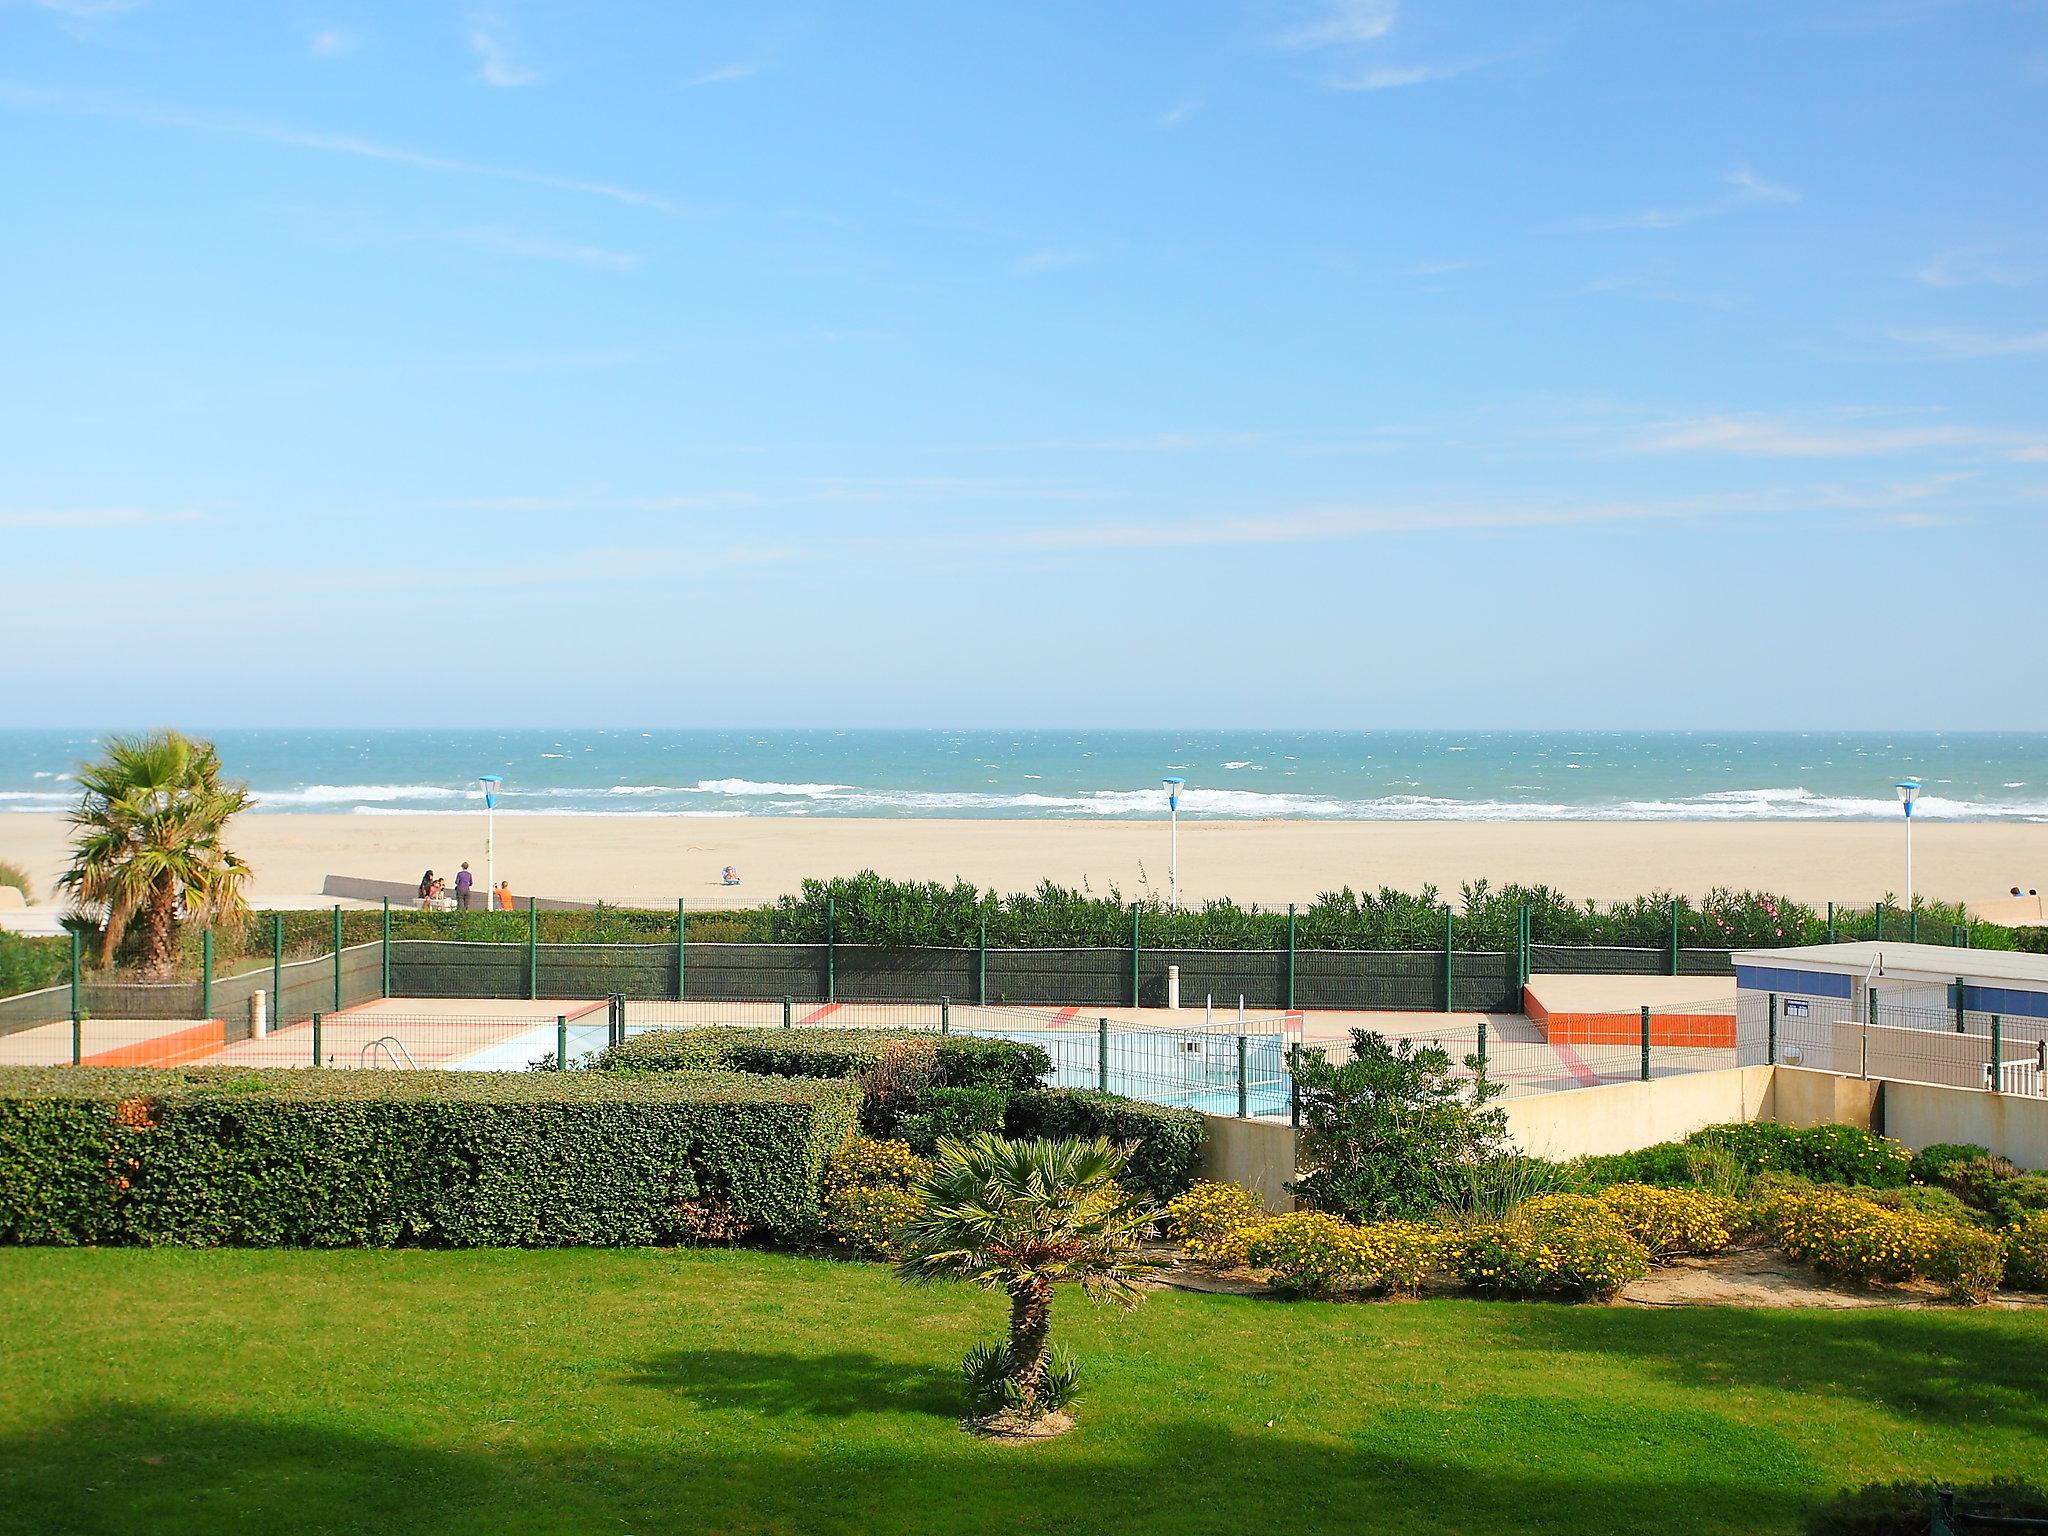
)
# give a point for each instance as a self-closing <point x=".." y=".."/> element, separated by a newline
<point x="1356" y="775"/>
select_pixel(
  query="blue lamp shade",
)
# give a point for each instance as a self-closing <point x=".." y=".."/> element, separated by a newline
<point x="1173" y="789"/>
<point x="1909" y="791"/>
<point x="490" y="782"/>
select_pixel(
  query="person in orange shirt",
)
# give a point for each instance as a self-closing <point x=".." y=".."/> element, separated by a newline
<point x="503" y="895"/>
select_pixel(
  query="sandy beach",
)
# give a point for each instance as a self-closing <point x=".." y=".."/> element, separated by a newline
<point x="654" y="860"/>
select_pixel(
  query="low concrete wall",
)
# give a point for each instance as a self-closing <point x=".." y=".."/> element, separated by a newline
<point x="2011" y="1125"/>
<point x="1620" y="1117"/>
<point x="1258" y="1154"/>
<point x="1803" y="1096"/>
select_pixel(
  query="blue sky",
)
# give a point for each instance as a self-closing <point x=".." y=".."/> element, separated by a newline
<point x="1340" y="363"/>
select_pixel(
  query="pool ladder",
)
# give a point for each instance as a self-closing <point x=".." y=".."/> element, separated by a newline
<point x="394" y="1052"/>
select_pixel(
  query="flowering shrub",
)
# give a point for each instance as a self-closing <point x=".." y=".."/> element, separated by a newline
<point x="1668" y="1222"/>
<point x="1554" y="1245"/>
<point x="866" y="1218"/>
<point x="2026" y="1253"/>
<point x="1316" y="1254"/>
<point x="1861" y="1240"/>
<point x="1827" y="1154"/>
<point x="869" y="1160"/>
<point x="1216" y="1221"/>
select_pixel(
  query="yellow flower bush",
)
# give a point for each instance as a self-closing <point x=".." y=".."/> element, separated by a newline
<point x="1216" y="1221"/>
<point x="2026" y="1253"/>
<point x="866" y="1218"/>
<point x="869" y="1194"/>
<point x="1855" y="1239"/>
<point x="1669" y="1222"/>
<point x="869" y="1160"/>
<point x="1553" y="1245"/>
<point x="1316" y="1254"/>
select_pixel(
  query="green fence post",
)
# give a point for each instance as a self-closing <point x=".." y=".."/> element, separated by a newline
<point x="387" y="946"/>
<point x="1959" y="935"/>
<point x="1447" y="960"/>
<point x="1771" y="1032"/>
<point x="1524" y="921"/>
<point x="785" y="1012"/>
<point x="77" y="981"/>
<point x="1134" y="954"/>
<point x="682" y="963"/>
<point x="1880" y="921"/>
<point x="561" y="1043"/>
<point x="1997" y="1083"/>
<point x="981" y="968"/>
<point x="77" y="1041"/>
<point x="316" y="1039"/>
<point x="1913" y="923"/>
<point x="1646" y="1042"/>
<point x="1831" y="922"/>
<point x="206" y="973"/>
<point x="831" y="951"/>
<point x="1244" y="1089"/>
<point x="1482" y="1045"/>
<point x="1959" y="1005"/>
<point x="1290" y="957"/>
<point x="532" y="948"/>
<point x="276" y="1020"/>
<point x="337" y="957"/>
<point x="1102" y="1054"/>
<point x="1674" y="935"/>
<point x="1294" y="1086"/>
<point x="945" y="1016"/>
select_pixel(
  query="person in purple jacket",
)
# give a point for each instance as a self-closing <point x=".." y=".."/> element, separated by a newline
<point x="463" y="881"/>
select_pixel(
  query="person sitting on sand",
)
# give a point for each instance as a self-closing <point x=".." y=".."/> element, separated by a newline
<point x="426" y="890"/>
<point x="729" y="875"/>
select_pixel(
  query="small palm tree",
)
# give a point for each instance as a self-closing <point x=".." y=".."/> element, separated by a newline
<point x="149" y="841"/>
<point x="1024" y="1217"/>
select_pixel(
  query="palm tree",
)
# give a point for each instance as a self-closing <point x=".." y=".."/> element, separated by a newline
<point x="149" y="842"/>
<point x="1023" y="1217"/>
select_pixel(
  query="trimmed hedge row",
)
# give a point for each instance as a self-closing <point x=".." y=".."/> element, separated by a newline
<point x="964" y="1061"/>
<point x="375" y="1159"/>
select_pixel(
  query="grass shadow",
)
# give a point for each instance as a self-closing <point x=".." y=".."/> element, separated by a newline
<point x="779" y="1383"/>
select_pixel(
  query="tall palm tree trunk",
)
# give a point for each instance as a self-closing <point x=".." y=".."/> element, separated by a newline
<point x="160" y="952"/>
<point x="1030" y="1340"/>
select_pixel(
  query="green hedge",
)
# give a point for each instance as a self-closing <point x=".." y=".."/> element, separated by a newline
<point x="965" y="1061"/>
<point x="1169" y="1141"/>
<point x="318" y="1159"/>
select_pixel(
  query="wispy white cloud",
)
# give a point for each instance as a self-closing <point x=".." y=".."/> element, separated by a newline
<point x="1394" y="76"/>
<point x="724" y="73"/>
<point x="506" y="242"/>
<point x="332" y="43"/>
<point x="1746" y="189"/>
<point x="1052" y="259"/>
<point x="1331" y="522"/>
<point x="82" y="519"/>
<point x="495" y="63"/>
<point x="1842" y="437"/>
<point x="1337" y="23"/>
<point x="1660" y="292"/>
<point x="1978" y="265"/>
<point x="1976" y="344"/>
<point x="35" y="98"/>
<point x="1179" y="113"/>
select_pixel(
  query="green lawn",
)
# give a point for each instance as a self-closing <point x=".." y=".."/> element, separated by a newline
<point x="652" y="1391"/>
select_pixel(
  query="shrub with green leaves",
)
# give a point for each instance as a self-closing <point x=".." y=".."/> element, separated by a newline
<point x="278" y="1158"/>
<point x="1907" y="1509"/>
<point x="1166" y="1142"/>
<point x="1827" y="1154"/>
<point x="1671" y="1222"/>
<point x="956" y="1112"/>
<point x="1860" y="1240"/>
<point x="1392" y="1130"/>
<point x="1312" y="1253"/>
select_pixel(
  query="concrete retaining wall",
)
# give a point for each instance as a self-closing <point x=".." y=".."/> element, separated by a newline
<point x="2011" y="1125"/>
<point x="1620" y="1117"/>
<point x="1258" y="1154"/>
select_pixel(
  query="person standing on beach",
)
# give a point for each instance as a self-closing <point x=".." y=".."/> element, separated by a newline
<point x="463" y="881"/>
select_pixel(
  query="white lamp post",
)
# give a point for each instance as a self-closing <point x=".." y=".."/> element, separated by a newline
<point x="1909" y="791"/>
<point x="1172" y="787"/>
<point x="490" y="782"/>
